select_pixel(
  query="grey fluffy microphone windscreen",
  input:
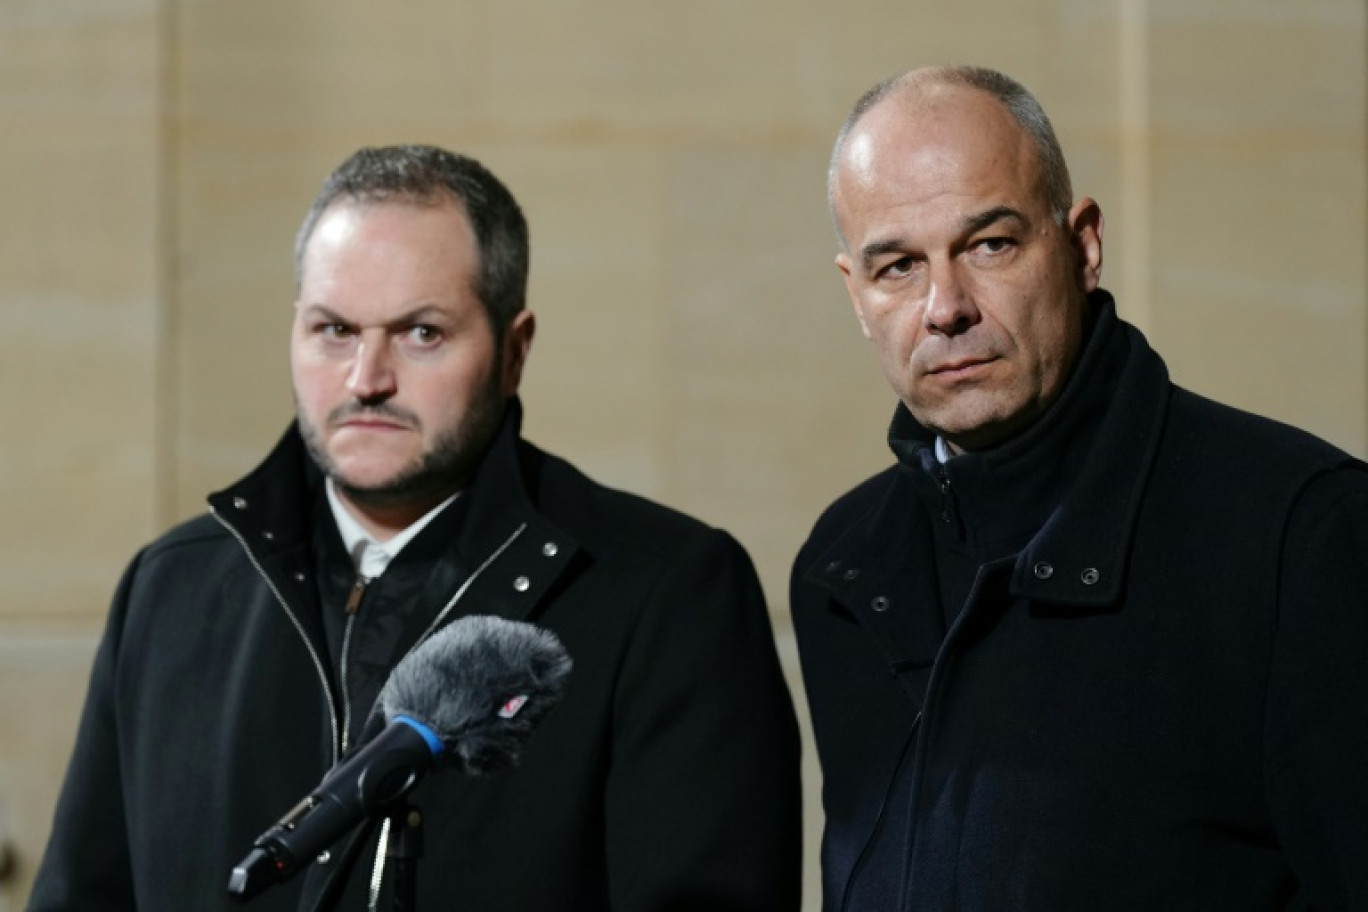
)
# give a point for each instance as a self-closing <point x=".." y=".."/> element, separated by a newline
<point x="482" y="684"/>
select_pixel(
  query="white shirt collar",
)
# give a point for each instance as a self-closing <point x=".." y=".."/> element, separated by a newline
<point x="371" y="557"/>
<point x="943" y="453"/>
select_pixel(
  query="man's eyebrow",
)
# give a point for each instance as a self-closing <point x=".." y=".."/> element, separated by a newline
<point x="870" y="252"/>
<point x="419" y="314"/>
<point x="982" y="220"/>
<point x="320" y="310"/>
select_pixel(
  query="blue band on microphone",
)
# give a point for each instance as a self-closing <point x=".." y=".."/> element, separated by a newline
<point x="433" y="742"/>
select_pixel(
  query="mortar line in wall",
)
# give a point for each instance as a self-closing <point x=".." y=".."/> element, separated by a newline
<point x="166" y="417"/>
<point x="1133" y="60"/>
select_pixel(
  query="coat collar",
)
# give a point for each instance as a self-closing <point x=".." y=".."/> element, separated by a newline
<point x="502" y="533"/>
<point x="517" y="550"/>
<point x="1078" y="558"/>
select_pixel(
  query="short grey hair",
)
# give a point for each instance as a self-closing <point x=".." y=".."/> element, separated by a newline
<point x="428" y="175"/>
<point x="1012" y="95"/>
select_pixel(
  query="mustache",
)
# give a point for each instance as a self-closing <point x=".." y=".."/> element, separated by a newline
<point x="377" y="410"/>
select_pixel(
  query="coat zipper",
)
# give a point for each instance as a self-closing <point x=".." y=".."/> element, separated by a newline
<point x="352" y="608"/>
<point x="353" y="605"/>
<point x="319" y="668"/>
<point x="354" y="596"/>
<point x="947" y="497"/>
<point x="479" y="571"/>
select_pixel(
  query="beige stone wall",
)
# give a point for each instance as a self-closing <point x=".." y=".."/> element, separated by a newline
<point x="695" y="343"/>
<point x="81" y="249"/>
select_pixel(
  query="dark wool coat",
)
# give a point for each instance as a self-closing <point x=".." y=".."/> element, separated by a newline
<point x="667" y="778"/>
<point x="1159" y="703"/>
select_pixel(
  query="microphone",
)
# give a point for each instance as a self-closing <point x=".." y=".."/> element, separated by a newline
<point x="468" y="698"/>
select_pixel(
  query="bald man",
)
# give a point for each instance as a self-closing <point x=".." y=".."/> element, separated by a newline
<point x="1093" y="642"/>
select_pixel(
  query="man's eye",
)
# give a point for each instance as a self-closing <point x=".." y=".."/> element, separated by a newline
<point x="333" y="330"/>
<point x="996" y="244"/>
<point x="424" y="335"/>
<point x="899" y="267"/>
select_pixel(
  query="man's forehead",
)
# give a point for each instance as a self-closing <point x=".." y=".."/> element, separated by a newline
<point x="857" y="160"/>
<point x="950" y="116"/>
<point x="365" y="227"/>
<point x="935" y="137"/>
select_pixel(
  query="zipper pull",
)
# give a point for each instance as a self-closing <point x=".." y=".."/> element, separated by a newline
<point x="358" y="589"/>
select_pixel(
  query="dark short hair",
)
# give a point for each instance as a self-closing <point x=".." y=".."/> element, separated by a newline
<point x="428" y="175"/>
<point x="1012" y="95"/>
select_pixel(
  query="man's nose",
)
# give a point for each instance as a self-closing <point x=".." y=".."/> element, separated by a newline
<point x="950" y="307"/>
<point x="371" y="376"/>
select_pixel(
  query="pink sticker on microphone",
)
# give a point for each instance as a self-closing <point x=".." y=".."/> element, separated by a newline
<point x="510" y="709"/>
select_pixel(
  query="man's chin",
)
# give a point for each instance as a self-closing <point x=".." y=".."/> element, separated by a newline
<point x="413" y="486"/>
<point x="373" y="485"/>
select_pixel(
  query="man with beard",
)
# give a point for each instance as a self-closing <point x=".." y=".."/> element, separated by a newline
<point x="1093" y="642"/>
<point x="245" y="649"/>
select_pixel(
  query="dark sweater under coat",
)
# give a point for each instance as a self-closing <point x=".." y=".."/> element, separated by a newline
<point x="1158" y="701"/>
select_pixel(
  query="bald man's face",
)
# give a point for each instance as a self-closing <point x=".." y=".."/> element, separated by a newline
<point x="971" y="291"/>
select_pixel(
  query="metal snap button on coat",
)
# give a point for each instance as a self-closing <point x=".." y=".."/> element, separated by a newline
<point x="880" y="603"/>
<point x="268" y="535"/>
<point x="240" y="503"/>
<point x="851" y="573"/>
<point x="1043" y="570"/>
<point x="550" y="549"/>
<point x="1090" y="576"/>
<point x="833" y="566"/>
<point x="522" y="583"/>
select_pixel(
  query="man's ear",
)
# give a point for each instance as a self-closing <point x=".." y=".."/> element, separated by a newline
<point x="1085" y="232"/>
<point x="517" y="343"/>
<point x="843" y="264"/>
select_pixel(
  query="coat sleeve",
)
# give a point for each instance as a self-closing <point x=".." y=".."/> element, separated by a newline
<point x="703" y="798"/>
<point x="1316" y="740"/>
<point x="85" y="867"/>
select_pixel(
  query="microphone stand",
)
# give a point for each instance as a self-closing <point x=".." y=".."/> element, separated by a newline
<point x="404" y="849"/>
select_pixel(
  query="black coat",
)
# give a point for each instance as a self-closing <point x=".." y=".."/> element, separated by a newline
<point x="666" y="779"/>
<point x="1159" y="703"/>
